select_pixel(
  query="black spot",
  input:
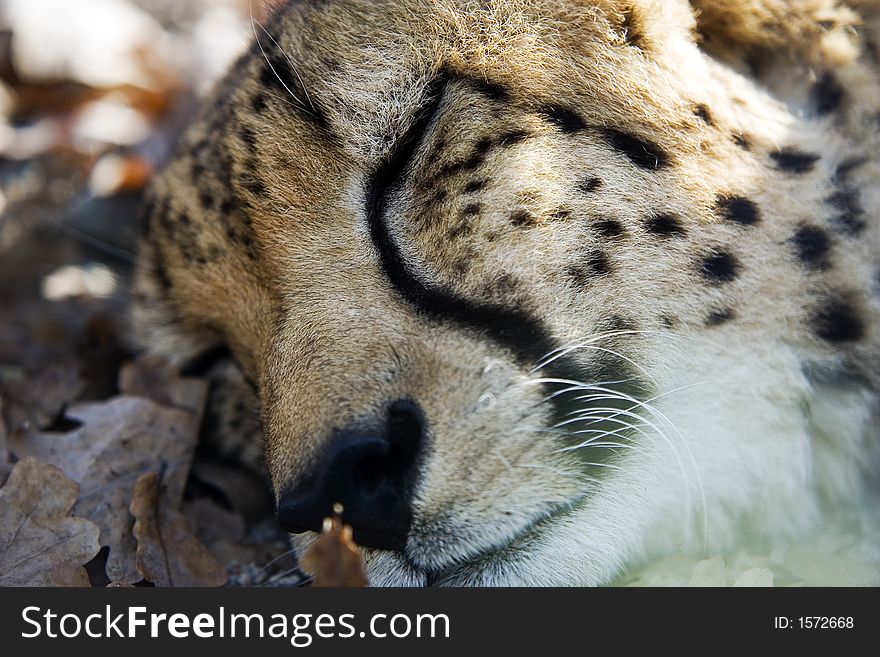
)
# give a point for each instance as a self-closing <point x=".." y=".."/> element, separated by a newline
<point x="492" y="90"/>
<point x="590" y="185"/>
<point x="461" y="230"/>
<point x="812" y="246"/>
<point x="473" y="161"/>
<point x="522" y="218"/>
<point x="794" y="161"/>
<point x="196" y="170"/>
<point x="472" y="210"/>
<point x="475" y="186"/>
<point x="609" y="227"/>
<point x="850" y="218"/>
<point x="256" y="187"/>
<point x="620" y="323"/>
<point x="668" y="321"/>
<point x="665" y="224"/>
<point x="719" y="266"/>
<point x="702" y="112"/>
<point x="738" y="209"/>
<point x="513" y="137"/>
<point x="228" y="205"/>
<point x="598" y="263"/>
<point x="258" y="102"/>
<point x="160" y="274"/>
<point x="560" y="214"/>
<point x="207" y="199"/>
<point x="640" y="152"/>
<point x="595" y="265"/>
<point x="837" y="320"/>
<point x="565" y="119"/>
<point x="742" y="141"/>
<point x="827" y="94"/>
<point x="246" y="134"/>
<point x="719" y="317"/>
<point x="503" y="286"/>
<point x="482" y="147"/>
<point x="438" y="147"/>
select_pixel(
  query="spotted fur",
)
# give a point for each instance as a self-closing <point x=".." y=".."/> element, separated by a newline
<point x="606" y="270"/>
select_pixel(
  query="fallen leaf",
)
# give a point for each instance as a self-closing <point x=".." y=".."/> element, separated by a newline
<point x="223" y="532"/>
<point x="158" y="381"/>
<point x="40" y="545"/>
<point x="168" y="553"/>
<point x="334" y="559"/>
<point x="117" y="442"/>
<point x="242" y="490"/>
<point x="40" y="397"/>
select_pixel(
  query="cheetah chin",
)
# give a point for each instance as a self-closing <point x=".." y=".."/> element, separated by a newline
<point x="537" y="291"/>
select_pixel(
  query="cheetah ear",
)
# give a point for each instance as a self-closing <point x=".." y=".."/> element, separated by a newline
<point x="819" y="31"/>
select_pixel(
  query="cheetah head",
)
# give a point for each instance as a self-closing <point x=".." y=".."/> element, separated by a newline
<point x="532" y="289"/>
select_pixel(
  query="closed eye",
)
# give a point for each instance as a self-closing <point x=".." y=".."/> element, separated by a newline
<point x="387" y="175"/>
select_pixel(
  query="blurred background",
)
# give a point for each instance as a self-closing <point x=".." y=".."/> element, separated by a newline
<point x="92" y="96"/>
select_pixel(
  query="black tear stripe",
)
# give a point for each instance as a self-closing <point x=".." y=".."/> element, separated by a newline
<point x="512" y="329"/>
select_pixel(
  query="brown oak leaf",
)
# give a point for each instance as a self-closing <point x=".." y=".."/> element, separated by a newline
<point x="159" y="381"/>
<point x="168" y="553"/>
<point x="40" y="544"/>
<point x="118" y="441"/>
<point x="334" y="559"/>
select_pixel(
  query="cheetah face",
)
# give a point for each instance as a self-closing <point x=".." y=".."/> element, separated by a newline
<point x="528" y="290"/>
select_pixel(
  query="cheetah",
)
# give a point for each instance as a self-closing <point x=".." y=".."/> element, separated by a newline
<point x="535" y="290"/>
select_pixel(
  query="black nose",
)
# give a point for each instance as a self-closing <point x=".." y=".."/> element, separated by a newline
<point x="371" y="473"/>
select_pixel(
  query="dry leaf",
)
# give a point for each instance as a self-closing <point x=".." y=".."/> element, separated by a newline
<point x="168" y="553"/>
<point x="242" y="490"/>
<point x="160" y="382"/>
<point x="40" y="545"/>
<point x="39" y="398"/>
<point x="223" y="533"/>
<point x="118" y="441"/>
<point x="334" y="559"/>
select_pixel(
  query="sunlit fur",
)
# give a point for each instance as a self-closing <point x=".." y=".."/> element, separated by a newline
<point x="736" y="402"/>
